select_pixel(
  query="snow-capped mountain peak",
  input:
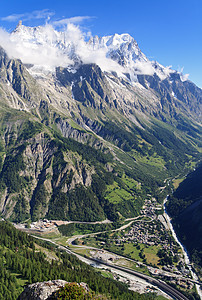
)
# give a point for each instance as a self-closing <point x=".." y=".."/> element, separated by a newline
<point x="123" y="43"/>
<point x="45" y="47"/>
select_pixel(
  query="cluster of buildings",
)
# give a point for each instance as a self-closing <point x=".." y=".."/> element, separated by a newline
<point x="40" y="226"/>
<point x="43" y="225"/>
<point x="150" y="207"/>
<point x="150" y="230"/>
<point x="149" y="234"/>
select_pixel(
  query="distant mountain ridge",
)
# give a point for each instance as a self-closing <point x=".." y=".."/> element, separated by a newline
<point x="118" y="56"/>
<point x="122" y="49"/>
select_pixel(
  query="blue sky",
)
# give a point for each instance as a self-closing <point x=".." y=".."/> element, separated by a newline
<point x="167" y="31"/>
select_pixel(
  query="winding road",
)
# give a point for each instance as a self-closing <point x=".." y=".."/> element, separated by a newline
<point x="132" y="220"/>
<point x="156" y="282"/>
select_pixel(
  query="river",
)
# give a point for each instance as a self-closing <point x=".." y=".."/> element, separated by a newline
<point x="186" y="256"/>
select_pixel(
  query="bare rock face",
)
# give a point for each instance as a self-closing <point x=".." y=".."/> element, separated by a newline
<point x="45" y="290"/>
<point x="41" y="290"/>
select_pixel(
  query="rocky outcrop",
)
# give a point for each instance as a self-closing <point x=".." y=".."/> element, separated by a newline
<point x="20" y="87"/>
<point x="175" y="95"/>
<point x="89" y="85"/>
<point x="45" y="290"/>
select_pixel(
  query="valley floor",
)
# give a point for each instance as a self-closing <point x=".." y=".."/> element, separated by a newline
<point x="144" y="244"/>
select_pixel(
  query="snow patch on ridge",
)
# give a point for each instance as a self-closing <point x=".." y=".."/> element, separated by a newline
<point x="184" y="77"/>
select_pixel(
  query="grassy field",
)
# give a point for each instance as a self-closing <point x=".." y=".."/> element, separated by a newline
<point x="62" y="240"/>
<point x="105" y="274"/>
<point x="151" y="255"/>
<point x="160" y="298"/>
<point x="131" y="183"/>
<point x="48" y="235"/>
<point x="124" y="262"/>
<point x="20" y="280"/>
<point x="132" y="251"/>
<point x="49" y="254"/>
<point x="153" y="160"/>
<point x="91" y="241"/>
<point x="81" y="251"/>
<point x="177" y="182"/>
<point x="115" y="194"/>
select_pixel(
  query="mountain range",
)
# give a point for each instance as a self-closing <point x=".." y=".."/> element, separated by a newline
<point x="90" y="126"/>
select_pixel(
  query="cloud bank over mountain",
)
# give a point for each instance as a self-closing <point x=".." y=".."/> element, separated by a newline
<point x="43" y="49"/>
<point x="47" y="48"/>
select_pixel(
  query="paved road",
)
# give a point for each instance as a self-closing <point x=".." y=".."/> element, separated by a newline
<point x="159" y="283"/>
<point x="80" y="222"/>
<point x="132" y="220"/>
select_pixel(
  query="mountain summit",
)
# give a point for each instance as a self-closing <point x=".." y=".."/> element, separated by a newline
<point x="117" y="53"/>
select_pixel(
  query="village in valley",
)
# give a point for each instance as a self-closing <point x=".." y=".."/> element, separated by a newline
<point x="144" y="242"/>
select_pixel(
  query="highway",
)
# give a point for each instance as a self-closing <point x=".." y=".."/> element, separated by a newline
<point x="159" y="283"/>
<point x="172" y="292"/>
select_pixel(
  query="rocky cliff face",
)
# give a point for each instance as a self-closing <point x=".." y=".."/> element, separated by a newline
<point x="22" y="91"/>
<point x="175" y="95"/>
<point x="36" y="176"/>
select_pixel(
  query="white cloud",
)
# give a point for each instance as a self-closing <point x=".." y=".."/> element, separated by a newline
<point x="5" y="41"/>
<point x="37" y="14"/>
<point x="183" y="77"/>
<point x="34" y="53"/>
<point x="13" y="18"/>
<point x="32" y="49"/>
<point x="143" y="67"/>
<point x="87" y="54"/>
<point x="73" y="20"/>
